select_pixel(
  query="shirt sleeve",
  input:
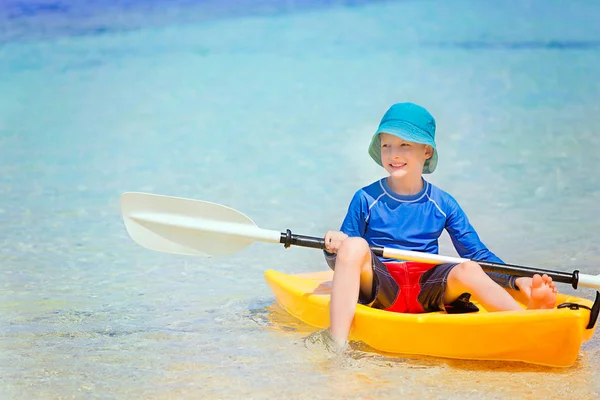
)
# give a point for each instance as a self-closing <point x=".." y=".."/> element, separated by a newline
<point x="355" y="222"/>
<point x="468" y="245"/>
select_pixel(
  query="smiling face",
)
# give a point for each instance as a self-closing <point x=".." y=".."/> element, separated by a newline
<point x="401" y="158"/>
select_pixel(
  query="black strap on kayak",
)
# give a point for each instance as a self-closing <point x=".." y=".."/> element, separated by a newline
<point x="461" y="305"/>
<point x="594" y="310"/>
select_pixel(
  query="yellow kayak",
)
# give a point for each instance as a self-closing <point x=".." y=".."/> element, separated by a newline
<point x="544" y="337"/>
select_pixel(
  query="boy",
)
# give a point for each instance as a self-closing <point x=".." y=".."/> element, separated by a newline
<point x="405" y="211"/>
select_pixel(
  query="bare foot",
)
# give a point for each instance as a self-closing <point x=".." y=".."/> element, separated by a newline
<point x="326" y="339"/>
<point x="543" y="293"/>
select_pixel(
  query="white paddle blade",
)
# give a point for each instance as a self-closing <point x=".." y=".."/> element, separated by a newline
<point x="190" y="227"/>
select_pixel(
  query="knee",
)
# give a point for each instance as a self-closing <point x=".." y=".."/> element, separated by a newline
<point x="468" y="269"/>
<point x="353" y="249"/>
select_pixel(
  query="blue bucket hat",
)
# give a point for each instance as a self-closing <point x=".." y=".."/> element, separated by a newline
<point x="410" y="122"/>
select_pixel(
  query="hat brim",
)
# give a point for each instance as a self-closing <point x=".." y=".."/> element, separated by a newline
<point x="408" y="132"/>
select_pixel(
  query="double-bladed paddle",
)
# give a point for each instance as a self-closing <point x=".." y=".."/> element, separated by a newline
<point x="193" y="227"/>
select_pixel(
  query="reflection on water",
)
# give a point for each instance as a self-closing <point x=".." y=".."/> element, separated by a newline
<point x="433" y="377"/>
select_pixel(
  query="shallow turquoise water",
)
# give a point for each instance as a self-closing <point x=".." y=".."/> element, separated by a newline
<point x="271" y="114"/>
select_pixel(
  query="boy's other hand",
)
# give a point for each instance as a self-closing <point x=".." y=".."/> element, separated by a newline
<point x="333" y="240"/>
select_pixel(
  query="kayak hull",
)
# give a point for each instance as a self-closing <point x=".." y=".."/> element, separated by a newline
<point x="543" y="337"/>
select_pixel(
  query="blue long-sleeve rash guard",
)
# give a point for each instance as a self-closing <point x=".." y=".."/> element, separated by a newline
<point x="415" y="222"/>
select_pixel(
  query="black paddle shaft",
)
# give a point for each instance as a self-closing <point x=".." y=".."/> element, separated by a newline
<point x="288" y="239"/>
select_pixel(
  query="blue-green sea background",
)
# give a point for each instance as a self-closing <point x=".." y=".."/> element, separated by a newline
<point x="268" y="107"/>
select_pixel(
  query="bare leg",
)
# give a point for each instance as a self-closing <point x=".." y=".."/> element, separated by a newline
<point x="469" y="277"/>
<point x="353" y="272"/>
